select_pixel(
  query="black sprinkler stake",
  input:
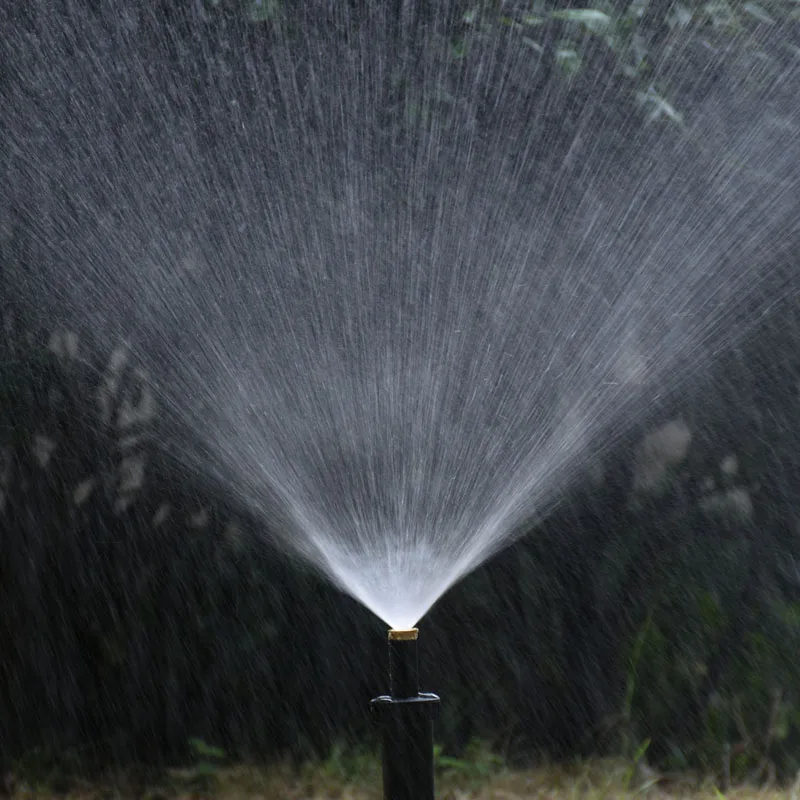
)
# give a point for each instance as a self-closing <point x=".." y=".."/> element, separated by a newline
<point x="406" y="716"/>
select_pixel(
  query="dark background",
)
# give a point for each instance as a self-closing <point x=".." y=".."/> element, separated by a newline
<point x="133" y="617"/>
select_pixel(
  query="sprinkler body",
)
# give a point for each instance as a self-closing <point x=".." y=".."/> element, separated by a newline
<point x="406" y="717"/>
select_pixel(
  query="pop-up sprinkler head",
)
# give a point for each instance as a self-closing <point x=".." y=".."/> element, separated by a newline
<point x="406" y="716"/>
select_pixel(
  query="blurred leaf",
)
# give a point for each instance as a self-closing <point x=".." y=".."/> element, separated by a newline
<point x="657" y="107"/>
<point x="710" y="610"/>
<point x="720" y="14"/>
<point x="206" y="751"/>
<point x="528" y="42"/>
<point x="789" y="613"/>
<point x="637" y="52"/>
<point x="458" y="49"/>
<point x="596" y="21"/>
<point x="510" y="23"/>
<point x="680" y="16"/>
<point x="758" y="12"/>
<point x="569" y="60"/>
<point x="263" y="10"/>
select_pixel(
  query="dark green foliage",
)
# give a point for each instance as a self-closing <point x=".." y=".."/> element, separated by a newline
<point x="139" y="619"/>
<point x="127" y="631"/>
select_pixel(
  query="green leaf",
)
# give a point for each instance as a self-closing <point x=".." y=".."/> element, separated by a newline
<point x="641" y="750"/>
<point x="680" y="16"/>
<point x="758" y="12"/>
<point x="528" y="42"/>
<point x="637" y="8"/>
<point x="710" y="610"/>
<point x="584" y="15"/>
<point x="510" y="23"/>
<point x="720" y="13"/>
<point x="594" y="20"/>
<point x="263" y="10"/>
<point x="448" y="762"/>
<point x="458" y="49"/>
<point x="203" y="750"/>
<point x="657" y="106"/>
<point x="790" y="614"/>
<point x="569" y="60"/>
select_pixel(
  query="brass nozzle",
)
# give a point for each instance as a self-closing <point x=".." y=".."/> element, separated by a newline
<point x="403" y="634"/>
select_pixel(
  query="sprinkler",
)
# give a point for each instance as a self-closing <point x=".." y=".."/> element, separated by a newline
<point x="406" y="716"/>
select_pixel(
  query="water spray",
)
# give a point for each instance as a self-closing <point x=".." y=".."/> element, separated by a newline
<point x="406" y="716"/>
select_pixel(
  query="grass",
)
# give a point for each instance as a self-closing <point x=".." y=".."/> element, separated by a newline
<point x="349" y="777"/>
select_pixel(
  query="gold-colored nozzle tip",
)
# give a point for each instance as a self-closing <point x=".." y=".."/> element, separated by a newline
<point x="403" y="635"/>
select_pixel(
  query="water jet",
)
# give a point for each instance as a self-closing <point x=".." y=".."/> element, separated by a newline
<point x="406" y="718"/>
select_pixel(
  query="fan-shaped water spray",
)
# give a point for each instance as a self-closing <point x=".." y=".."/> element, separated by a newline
<point x="396" y="293"/>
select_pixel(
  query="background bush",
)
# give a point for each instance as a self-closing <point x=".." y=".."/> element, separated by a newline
<point x="660" y="603"/>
